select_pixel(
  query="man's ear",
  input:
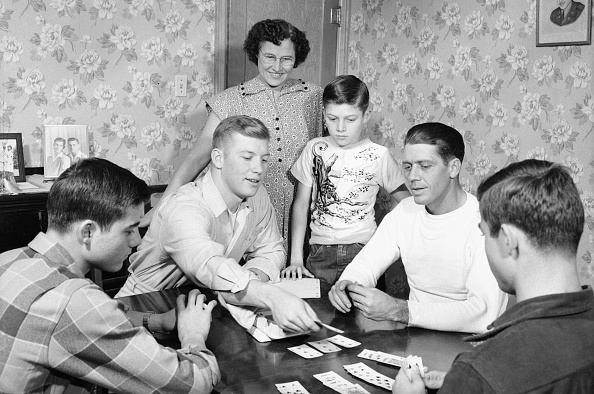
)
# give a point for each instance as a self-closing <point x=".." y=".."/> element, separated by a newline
<point x="455" y="166"/>
<point x="509" y="238"/>
<point x="86" y="230"/>
<point x="216" y="157"/>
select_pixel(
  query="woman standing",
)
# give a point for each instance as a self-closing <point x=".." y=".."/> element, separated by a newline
<point x="291" y="109"/>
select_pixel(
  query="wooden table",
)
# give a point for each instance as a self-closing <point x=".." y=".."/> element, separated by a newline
<point x="248" y="366"/>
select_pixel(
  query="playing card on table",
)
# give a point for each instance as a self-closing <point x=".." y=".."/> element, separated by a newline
<point x="368" y="354"/>
<point x="339" y="384"/>
<point x="291" y="388"/>
<point x="334" y="381"/>
<point x="343" y="341"/>
<point x="390" y="359"/>
<point x="355" y="389"/>
<point x="325" y="346"/>
<point x="382" y="357"/>
<point x="305" y="351"/>
<point x="369" y="375"/>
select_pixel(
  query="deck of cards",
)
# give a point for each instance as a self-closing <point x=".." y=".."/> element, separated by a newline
<point x="410" y="361"/>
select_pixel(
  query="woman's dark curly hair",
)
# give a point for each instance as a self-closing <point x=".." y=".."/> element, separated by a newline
<point x="275" y="31"/>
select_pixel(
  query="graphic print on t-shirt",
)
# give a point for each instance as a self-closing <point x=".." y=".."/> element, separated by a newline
<point x="326" y="200"/>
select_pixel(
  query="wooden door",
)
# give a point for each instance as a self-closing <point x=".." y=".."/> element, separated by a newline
<point x="235" y="18"/>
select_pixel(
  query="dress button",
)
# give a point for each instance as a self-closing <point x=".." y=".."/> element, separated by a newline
<point x="278" y="128"/>
<point x="279" y="149"/>
<point x="277" y="119"/>
<point x="278" y="139"/>
<point x="280" y="160"/>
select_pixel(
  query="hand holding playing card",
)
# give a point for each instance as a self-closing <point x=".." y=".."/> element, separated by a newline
<point x="404" y="385"/>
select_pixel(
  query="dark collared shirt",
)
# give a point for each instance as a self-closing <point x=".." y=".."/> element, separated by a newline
<point x="541" y="345"/>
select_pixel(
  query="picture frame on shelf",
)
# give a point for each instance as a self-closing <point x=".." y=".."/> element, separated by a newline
<point x="563" y="22"/>
<point x="12" y="161"/>
<point x="64" y="145"/>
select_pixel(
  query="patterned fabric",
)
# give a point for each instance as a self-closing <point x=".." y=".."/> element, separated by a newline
<point x="345" y="183"/>
<point x="293" y="118"/>
<point x="541" y="345"/>
<point x="62" y="333"/>
<point x="192" y="239"/>
<point x="452" y="287"/>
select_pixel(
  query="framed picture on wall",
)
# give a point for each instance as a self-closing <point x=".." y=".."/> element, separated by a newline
<point x="64" y="146"/>
<point x="11" y="155"/>
<point x="563" y="22"/>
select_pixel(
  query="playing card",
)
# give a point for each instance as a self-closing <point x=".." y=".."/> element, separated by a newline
<point x="305" y="351"/>
<point x="369" y="375"/>
<point x="355" y="389"/>
<point x="368" y="354"/>
<point x="390" y="359"/>
<point x="325" y="346"/>
<point x="343" y="341"/>
<point x="408" y="364"/>
<point x="334" y="381"/>
<point x="291" y="388"/>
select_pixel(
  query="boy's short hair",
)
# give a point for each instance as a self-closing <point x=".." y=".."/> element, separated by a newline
<point x="449" y="141"/>
<point x="538" y="197"/>
<point x="346" y="89"/>
<point x="240" y="124"/>
<point x="93" y="189"/>
<point x="62" y="140"/>
<point x="73" y="139"/>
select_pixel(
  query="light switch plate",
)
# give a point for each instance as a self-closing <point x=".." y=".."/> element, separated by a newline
<point x="180" y="88"/>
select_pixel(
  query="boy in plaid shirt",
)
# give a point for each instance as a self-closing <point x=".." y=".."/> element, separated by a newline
<point x="59" y="332"/>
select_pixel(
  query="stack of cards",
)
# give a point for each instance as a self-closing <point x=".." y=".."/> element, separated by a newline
<point x="291" y="388"/>
<point x="413" y="360"/>
<point x="339" y="384"/>
<point x="323" y="346"/>
<point x="367" y="374"/>
<point x="382" y="357"/>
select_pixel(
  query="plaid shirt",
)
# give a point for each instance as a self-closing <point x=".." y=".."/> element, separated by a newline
<point x="61" y="333"/>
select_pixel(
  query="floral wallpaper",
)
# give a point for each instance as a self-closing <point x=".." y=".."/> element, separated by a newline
<point x="108" y="64"/>
<point x="474" y="64"/>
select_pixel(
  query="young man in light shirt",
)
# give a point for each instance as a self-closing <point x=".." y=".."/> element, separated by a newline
<point x="220" y="232"/>
<point x="435" y="233"/>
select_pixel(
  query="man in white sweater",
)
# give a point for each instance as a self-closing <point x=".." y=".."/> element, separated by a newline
<point x="436" y="234"/>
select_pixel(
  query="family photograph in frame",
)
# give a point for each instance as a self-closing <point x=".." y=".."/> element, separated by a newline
<point x="563" y="22"/>
<point x="64" y="145"/>
<point x="12" y="162"/>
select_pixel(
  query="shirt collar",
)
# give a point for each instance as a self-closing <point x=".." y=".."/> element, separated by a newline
<point x="55" y="253"/>
<point x="552" y="305"/>
<point x="256" y="85"/>
<point x="213" y="196"/>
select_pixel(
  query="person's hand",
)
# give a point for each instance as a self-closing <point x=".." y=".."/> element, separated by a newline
<point x="295" y="271"/>
<point x="434" y="379"/>
<point x="193" y="318"/>
<point x="376" y="305"/>
<point x="167" y="320"/>
<point x="404" y="385"/>
<point x="338" y="296"/>
<point x="291" y="313"/>
<point x="145" y="221"/>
